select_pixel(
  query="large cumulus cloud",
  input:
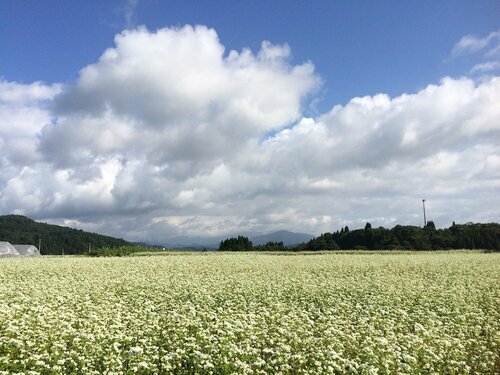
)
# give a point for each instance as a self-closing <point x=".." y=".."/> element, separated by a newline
<point x="176" y="95"/>
<point x="170" y="134"/>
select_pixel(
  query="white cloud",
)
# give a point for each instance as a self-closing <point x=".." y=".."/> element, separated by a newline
<point x="19" y="94"/>
<point x="23" y="113"/>
<point x="174" y="96"/>
<point x="169" y="134"/>
<point x="372" y="131"/>
<point x="471" y="43"/>
<point x="488" y="47"/>
<point x="486" y="67"/>
<point x="129" y="10"/>
<point x="23" y="110"/>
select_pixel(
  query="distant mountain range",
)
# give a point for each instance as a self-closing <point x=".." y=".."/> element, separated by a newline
<point x="56" y="239"/>
<point x="288" y="238"/>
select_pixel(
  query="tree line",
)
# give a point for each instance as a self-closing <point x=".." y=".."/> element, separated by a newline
<point x="401" y="237"/>
<point x="242" y="243"/>
<point x="56" y="239"/>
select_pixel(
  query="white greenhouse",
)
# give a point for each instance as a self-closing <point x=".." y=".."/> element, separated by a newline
<point x="8" y="250"/>
<point x="27" y="250"/>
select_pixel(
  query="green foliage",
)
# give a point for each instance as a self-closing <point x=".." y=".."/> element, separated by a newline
<point x="401" y="237"/>
<point x="240" y="243"/>
<point x="477" y="236"/>
<point x="430" y="225"/>
<point x="466" y="236"/>
<point x="271" y="246"/>
<point x="323" y="242"/>
<point x="18" y="229"/>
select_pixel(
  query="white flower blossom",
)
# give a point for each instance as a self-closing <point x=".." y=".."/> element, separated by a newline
<point x="252" y="313"/>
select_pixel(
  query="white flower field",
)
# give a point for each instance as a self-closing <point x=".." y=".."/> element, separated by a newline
<point x="249" y="313"/>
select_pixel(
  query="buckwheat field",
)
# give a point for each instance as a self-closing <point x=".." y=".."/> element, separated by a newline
<point x="222" y="313"/>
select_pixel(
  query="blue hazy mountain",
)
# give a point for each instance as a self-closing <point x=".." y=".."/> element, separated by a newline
<point x="184" y="242"/>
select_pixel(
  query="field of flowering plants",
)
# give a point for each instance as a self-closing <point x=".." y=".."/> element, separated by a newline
<point x="225" y="313"/>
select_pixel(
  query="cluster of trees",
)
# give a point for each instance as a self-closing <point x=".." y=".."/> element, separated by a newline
<point x="271" y="246"/>
<point x="242" y="243"/>
<point x="465" y="236"/>
<point x="55" y="239"/>
<point x="239" y="243"/>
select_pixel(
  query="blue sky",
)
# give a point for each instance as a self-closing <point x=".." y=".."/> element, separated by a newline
<point x="151" y="120"/>
<point x="358" y="47"/>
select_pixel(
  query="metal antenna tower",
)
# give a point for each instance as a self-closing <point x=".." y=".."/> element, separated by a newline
<point x="425" y="220"/>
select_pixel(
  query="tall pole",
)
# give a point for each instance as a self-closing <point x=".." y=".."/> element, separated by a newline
<point x="40" y="245"/>
<point x="425" y="220"/>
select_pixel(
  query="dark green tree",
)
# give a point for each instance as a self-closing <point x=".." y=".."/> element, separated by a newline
<point x="431" y="225"/>
<point x="239" y="243"/>
<point x="324" y="242"/>
<point x="271" y="246"/>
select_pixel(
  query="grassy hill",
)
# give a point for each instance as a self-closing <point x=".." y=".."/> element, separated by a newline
<point x="18" y="229"/>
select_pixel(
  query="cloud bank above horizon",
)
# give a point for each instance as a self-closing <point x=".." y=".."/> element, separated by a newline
<point x="169" y="133"/>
